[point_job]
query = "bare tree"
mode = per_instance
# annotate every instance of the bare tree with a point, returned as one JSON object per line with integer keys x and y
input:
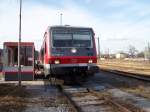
{"x": 132, "y": 51}
{"x": 140, "y": 54}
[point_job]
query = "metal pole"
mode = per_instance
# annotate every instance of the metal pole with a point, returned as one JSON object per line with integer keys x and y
{"x": 98, "y": 48}
{"x": 60, "y": 18}
{"x": 19, "y": 66}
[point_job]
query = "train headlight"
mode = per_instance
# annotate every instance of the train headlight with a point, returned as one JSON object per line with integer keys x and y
{"x": 90, "y": 61}
{"x": 73, "y": 50}
{"x": 57, "y": 62}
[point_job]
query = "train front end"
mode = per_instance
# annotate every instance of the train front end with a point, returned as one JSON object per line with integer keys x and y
{"x": 72, "y": 50}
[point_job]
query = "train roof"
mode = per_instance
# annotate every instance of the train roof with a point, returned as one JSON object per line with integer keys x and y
{"x": 16, "y": 43}
{"x": 68, "y": 26}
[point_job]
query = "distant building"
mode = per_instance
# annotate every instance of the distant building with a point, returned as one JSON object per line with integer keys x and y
{"x": 107, "y": 56}
{"x": 121, "y": 55}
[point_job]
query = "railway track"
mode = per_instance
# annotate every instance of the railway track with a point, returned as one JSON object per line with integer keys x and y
{"x": 130, "y": 75}
{"x": 84, "y": 98}
{"x": 88, "y": 100}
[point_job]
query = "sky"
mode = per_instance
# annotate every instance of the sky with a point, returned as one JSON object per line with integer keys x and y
{"x": 117, "y": 23}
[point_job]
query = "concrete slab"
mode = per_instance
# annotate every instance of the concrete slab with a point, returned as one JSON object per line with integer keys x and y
{"x": 140, "y": 102}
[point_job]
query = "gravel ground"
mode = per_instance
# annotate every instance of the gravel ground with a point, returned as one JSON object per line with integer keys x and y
{"x": 45, "y": 99}
{"x": 33, "y": 96}
{"x": 12, "y": 98}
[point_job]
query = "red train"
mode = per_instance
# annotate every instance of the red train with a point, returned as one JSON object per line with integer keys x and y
{"x": 68, "y": 50}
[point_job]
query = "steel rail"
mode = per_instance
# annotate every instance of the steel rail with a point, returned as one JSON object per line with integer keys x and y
{"x": 128, "y": 74}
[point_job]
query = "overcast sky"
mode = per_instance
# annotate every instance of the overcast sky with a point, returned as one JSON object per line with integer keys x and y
{"x": 118, "y": 23}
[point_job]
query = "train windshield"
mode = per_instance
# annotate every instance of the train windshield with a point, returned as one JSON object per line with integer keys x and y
{"x": 81, "y": 40}
{"x": 72, "y": 39}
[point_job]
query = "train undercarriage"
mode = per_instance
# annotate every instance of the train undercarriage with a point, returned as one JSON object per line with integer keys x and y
{"x": 69, "y": 74}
